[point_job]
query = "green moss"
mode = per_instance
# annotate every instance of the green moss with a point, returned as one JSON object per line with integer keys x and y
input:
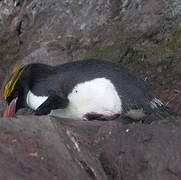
{"x": 168, "y": 46}
{"x": 177, "y": 33}
{"x": 100, "y": 52}
{"x": 116, "y": 49}
{"x": 13, "y": 50}
{"x": 124, "y": 53}
{"x": 149, "y": 58}
{"x": 3, "y": 42}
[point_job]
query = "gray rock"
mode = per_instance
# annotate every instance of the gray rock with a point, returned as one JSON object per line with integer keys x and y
{"x": 42, "y": 148}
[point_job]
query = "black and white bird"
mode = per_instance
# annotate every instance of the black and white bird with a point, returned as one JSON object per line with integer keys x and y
{"x": 84, "y": 89}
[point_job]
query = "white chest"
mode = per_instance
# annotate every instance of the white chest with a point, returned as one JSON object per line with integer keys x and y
{"x": 34, "y": 101}
{"x": 98, "y": 95}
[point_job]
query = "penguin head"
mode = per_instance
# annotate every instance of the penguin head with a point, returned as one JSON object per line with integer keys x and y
{"x": 14, "y": 91}
{"x": 20, "y": 83}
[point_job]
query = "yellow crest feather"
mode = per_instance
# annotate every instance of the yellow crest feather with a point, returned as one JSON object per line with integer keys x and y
{"x": 9, "y": 87}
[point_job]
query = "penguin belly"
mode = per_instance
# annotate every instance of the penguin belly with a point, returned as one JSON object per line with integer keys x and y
{"x": 98, "y": 96}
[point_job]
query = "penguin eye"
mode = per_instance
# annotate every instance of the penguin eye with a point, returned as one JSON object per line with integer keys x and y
{"x": 16, "y": 94}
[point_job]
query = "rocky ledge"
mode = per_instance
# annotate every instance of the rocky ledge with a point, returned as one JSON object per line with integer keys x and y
{"x": 43, "y": 147}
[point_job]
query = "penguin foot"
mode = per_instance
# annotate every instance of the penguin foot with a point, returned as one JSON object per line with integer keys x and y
{"x": 101, "y": 116}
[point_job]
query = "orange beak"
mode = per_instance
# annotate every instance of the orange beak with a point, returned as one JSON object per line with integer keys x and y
{"x": 11, "y": 109}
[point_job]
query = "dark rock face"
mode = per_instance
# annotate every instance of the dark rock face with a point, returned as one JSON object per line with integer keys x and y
{"x": 156, "y": 156}
{"x": 61, "y": 31}
{"x": 144, "y": 36}
{"x": 43, "y": 148}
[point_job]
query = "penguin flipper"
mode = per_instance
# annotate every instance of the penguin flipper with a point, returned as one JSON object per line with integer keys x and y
{"x": 161, "y": 110}
{"x": 54, "y": 101}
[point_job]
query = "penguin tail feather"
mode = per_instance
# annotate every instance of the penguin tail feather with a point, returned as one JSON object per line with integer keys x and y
{"x": 160, "y": 109}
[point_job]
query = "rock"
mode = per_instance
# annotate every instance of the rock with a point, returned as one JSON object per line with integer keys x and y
{"x": 140, "y": 151}
{"x": 66, "y": 30}
{"x": 41, "y": 147}
{"x": 33, "y": 148}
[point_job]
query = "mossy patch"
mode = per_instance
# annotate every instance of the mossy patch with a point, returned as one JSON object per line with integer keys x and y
{"x": 130, "y": 54}
{"x": 100, "y": 52}
{"x": 3, "y": 42}
{"x": 122, "y": 52}
{"x": 117, "y": 51}
{"x": 168, "y": 46}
